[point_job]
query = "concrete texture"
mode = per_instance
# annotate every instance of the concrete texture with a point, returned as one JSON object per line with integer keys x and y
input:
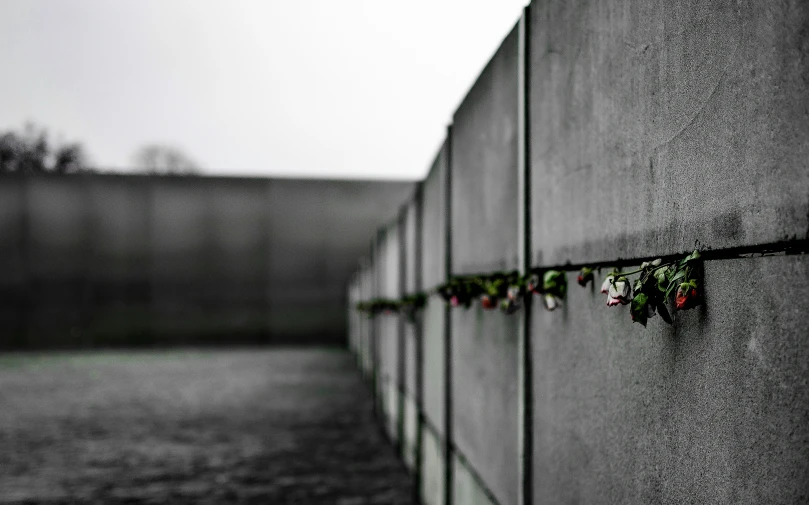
{"x": 119, "y": 259}
{"x": 367, "y": 324}
{"x": 410, "y": 334}
{"x": 434, "y": 369}
{"x": 434, "y": 201}
{"x": 13, "y": 265}
{"x": 658, "y": 127}
{"x": 409, "y": 391}
{"x": 389, "y": 324}
{"x": 410, "y": 426}
{"x": 484, "y": 397}
{"x": 253, "y": 426}
{"x": 432, "y": 472}
{"x": 466, "y": 489}
{"x": 711, "y": 410}
{"x": 484, "y": 168}
{"x": 410, "y": 229}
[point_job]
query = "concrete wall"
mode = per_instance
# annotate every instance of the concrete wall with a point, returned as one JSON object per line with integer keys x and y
{"x": 484, "y": 238}
{"x": 710, "y": 410}
{"x": 647, "y": 129}
{"x": 433, "y": 253}
{"x": 411, "y": 334}
{"x": 666, "y": 125}
{"x": 132, "y": 260}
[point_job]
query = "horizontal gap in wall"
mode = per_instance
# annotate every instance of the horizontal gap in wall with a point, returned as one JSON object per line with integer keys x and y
{"x": 784, "y": 248}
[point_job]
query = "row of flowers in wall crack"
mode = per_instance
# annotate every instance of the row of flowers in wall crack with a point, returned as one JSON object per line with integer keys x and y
{"x": 655, "y": 283}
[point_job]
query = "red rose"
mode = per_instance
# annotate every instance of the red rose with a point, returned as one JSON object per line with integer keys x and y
{"x": 488, "y": 302}
{"x": 686, "y": 298}
{"x": 585, "y": 276}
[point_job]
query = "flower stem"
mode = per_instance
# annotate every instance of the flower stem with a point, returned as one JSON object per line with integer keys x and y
{"x": 639, "y": 270}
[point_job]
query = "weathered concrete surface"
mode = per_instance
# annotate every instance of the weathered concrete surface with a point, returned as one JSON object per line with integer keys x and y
{"x": 389, "y": 325}
{"x": 13, "y": 270}
{"x": 484, "y": 397}
{"x": 466, "y": 489}
{"x": 119, "y": 259}
{"x": 320, "y": 229}
{"x": 434, "y": 249}
{"x": 484, "y": 168}
{"x": 410, "y": 413}
{"x": 711, "y": 410}
{"x": 192, "y": 427}
{"x": 433, "y": 262}
{"x": 410, "y": 426}
{"x": 367, "y": 324}
{"x": 411, "y": 330}
{"x": 434, "y": 363}
{"x": 658, "y": 126}
{"x": 432, "y": 471}
{"x": 411, "y": 244}
{"x": 484, "y": 238}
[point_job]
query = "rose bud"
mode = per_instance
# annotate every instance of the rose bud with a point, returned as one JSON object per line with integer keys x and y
{"x": 488, "y": 302}
{"x": 454, "y": 301}
{"x": 605, "y": 286}
{"x": 619, "y": 293}
{"x": 550, "y": 301}
{"x": 514, "y": 293}
{"x": 585, "y": 276}
{"x": 648, "y": 264}
{"x": 533, "y": 285}
{"x": 509, "y": 306}
{"x": 686, "y": 298}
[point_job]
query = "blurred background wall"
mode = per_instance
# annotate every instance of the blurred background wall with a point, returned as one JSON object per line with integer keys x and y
{"x": 94, "y": 260}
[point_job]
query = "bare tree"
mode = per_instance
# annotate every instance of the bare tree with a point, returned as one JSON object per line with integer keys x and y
{"x": 162, "y": 159}
{"x": 31, "y": 152}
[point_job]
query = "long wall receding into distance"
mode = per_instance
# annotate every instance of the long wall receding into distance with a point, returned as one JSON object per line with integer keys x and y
{"x": 89, "y": 260}
{"x": 611, "y": 131}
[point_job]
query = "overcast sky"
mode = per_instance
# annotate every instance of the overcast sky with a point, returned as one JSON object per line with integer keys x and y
{"x": 336, "y": 88}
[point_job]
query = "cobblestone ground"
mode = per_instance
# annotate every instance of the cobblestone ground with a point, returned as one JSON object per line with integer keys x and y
{"x": 239, "y": 426}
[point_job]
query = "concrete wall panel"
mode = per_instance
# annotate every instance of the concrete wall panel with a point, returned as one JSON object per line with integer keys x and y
{"x": 411, "y": 243}
{"x": 711, "y": 410}
{"x": 434, "y": 369}
{"x": 59, "y": 258}
{"x": 466, "y": 489}
{"x": 432, "y": 471}
{"x": 13, "y": 267}
{"x": 433, "y": 242}
{"x": 185, "y": 259}
{"x": 484, "y": 238}
{"x": 410, "y": 424}
{"x": 484, "y": 396}
{"x": 484, "y": 169}
{"x": 658, "y": 126}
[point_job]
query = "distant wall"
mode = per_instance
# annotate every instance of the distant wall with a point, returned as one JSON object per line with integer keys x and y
{"x": 603, "y": 132}
{"x": 90, "y": 260}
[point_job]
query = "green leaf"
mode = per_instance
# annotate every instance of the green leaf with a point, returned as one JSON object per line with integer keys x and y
{"x": 692, "y": 257}
{"x": 680, "y": 274}
{"x": 638, "y": 310}
{"x": 664, "y": 312}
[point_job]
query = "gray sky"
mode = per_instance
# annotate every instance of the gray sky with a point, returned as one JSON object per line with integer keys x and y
{"x": 336, "y": 88}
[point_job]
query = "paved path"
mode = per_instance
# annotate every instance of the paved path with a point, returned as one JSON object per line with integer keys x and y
{"x": 240, "y": 426}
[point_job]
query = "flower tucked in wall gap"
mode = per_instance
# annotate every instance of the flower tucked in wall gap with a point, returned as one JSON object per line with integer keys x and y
{"x": 585, "y": 276}
{"x": 655, "y": 284}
